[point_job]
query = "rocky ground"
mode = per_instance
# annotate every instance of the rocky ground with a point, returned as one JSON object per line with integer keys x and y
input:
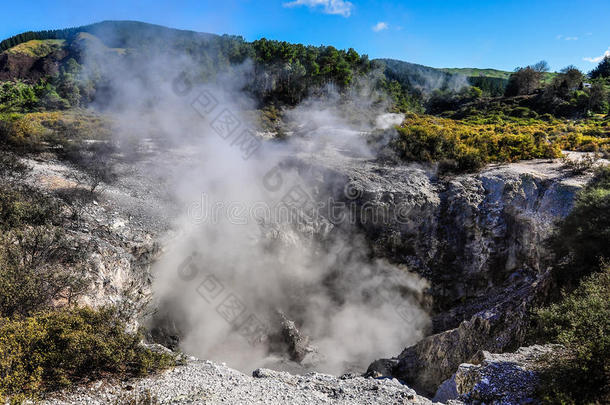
{"x": 203, "y": 382}
{"x": 502, "y": 379}
{"x": 122, "y": 226}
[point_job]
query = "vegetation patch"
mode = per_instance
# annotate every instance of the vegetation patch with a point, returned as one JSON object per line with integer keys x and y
{"x": 580, "y": 318}
{"x": 51, "y": 350}
{"x": 37, "y": 48}
{"x": 583, "y": 238}
{"x": 46, "y": 342}
{"x": 461, "y": 146}
{"x": 67, "y": 130}
{"x": 580, "y": 322}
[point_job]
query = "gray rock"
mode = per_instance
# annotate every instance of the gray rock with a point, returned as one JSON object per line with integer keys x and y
{"x": 472, "y": 235}
{"x": 480, "y": 242}
{"x": 508, "y": 378}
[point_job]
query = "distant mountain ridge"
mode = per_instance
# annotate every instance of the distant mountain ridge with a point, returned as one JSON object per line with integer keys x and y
{"x": 134, "y": 34}
{"x": 283, "y": 72}
{"x": 116, "y": 34}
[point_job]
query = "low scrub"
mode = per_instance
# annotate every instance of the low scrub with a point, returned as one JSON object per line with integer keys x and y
{"x": 56, "y": 130}
{"x": 39, "y": 269}
{"x": 54, "y": 349}
{"x": 22, "y": 206}
{"x": 583, "y": 237}
{"x": 580, "y": 318}
{"x": 580, "y": 322}
{"x": 45, "y": 341}
{"x": 463, "y": 146}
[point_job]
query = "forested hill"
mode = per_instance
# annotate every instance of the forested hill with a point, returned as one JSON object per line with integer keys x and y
{"x": 294, "y": 70}
{"x": 115, "y": 34}
{"x": 41, "y": 71}
{"x": 421, "y": 77}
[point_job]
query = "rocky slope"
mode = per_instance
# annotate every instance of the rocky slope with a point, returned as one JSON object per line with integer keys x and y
{"x": 20, "y": 63}
{"x": 471, "y": 235}
{"x": 122, "y": 227}
{"x": 479, "y": 238}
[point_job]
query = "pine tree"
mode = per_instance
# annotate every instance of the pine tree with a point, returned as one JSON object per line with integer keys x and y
{"x": 602, "y": 70}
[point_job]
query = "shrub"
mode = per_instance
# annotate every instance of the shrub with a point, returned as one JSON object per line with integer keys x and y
{"x": 22, "y": 133}
{"x": 39, "y": 269}
{"x": 10, "y": 166}
{"x": 581, "y": 165}
{"x": 580, "y": 322}
{"x": 583, "y": 238}
{"x": 54, "y": 349}
{"x": 468, "y": 145}
{"x": 96, "y": 165}
{"x": 57, "y": 130}
{"x": 521, "y": 112}
{"x": 39, "y": 266}
{"x": 22, "y": 206}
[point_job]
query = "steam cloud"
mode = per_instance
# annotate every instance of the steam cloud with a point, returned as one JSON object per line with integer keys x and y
{"x": 354, "y": 308}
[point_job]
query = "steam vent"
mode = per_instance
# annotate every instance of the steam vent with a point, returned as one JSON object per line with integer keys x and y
{"x": 207, "y": 218}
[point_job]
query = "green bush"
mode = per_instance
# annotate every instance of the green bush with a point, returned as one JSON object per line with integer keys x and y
{"x": 580, "y": 322}
{"x": 583, "y": 238}
{"x": 17, "y": 96}
{"x": 52, "y": 350}
{"x": 467, "y": 146}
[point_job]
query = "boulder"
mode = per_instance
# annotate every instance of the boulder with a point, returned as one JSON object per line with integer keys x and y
{"x": 508, "y": 378}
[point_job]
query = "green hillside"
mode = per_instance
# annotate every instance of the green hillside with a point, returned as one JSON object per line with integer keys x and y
{"x": 37, "y": 48}
{"x": 474, "y": 72}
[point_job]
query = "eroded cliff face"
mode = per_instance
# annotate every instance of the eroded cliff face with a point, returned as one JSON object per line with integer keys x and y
{"x": 472, "y": 235}
{"x": 120, "y": 230}
{"x": 27, "y": 67}
{"x": 478, "y": 238}
{"x": 488, "y": 266}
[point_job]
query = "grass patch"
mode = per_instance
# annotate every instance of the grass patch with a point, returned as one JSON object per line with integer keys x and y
{"x": 37, "y": 48}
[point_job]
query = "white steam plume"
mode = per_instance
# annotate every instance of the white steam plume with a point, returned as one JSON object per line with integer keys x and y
{"x": 219, "y": 273}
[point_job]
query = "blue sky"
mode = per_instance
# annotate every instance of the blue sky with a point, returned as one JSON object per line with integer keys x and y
{"x": 497, "y": 34}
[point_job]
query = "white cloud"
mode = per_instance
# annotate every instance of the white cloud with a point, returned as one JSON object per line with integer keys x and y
{"x": 597, "y": 59}
{"x": 338, "y": 7}
{"x": 567, "y": 38}
{"x": 380, "y": 26}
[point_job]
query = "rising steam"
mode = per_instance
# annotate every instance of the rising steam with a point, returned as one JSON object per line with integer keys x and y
{"x": 217, "y": 275}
